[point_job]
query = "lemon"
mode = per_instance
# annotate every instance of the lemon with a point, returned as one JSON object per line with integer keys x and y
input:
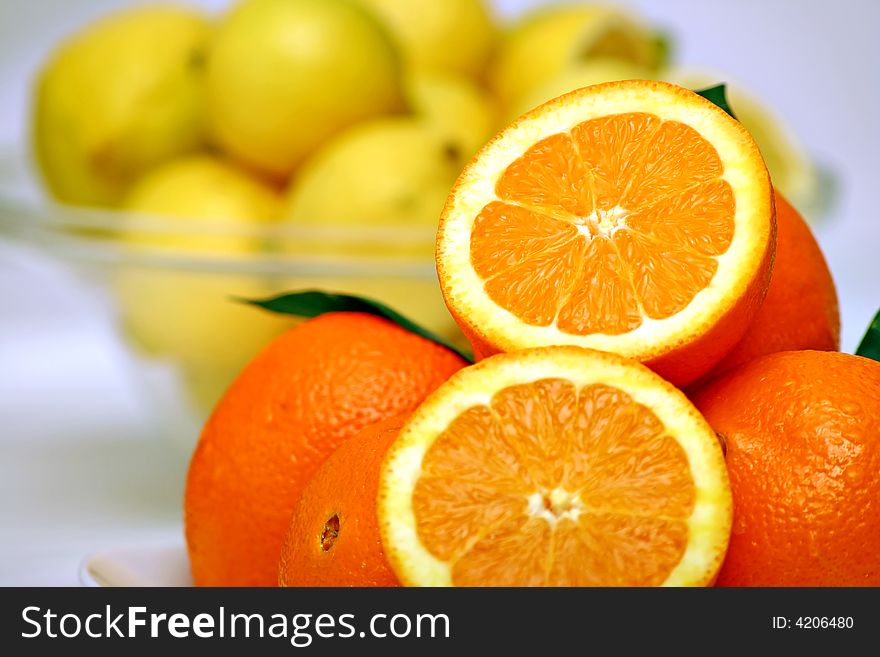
{"x": 285, "y": 75}
{"x": 460, "y": 110}
{"x": 388, "y": 178}
{"x": 189, "y": 317}
{"x": 118, "y": 98}
{"x": 453, "y": 36}
{"x": 548, "y": 40}
{"x": 203, "y": 189}
{"x": 791, "y": 168}
{"x": 387, "y": 172}
{"x": 579, "y": 74}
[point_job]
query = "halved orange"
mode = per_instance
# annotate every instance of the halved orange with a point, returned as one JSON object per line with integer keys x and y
{"x": 634, "y": 217}
{"x": 557, "y": 466}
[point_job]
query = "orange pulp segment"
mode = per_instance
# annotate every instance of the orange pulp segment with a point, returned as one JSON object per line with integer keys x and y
{"x": 609, "y": 225}
{"x": 555, "y": 467}
{"x": 628, "y": 199}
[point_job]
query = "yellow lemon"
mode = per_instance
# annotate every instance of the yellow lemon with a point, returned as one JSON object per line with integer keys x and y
{"x": 202, "y": 189}
{"x": 388, "y": 172}
{"x": 380, "y": 188}
{"x": 459, "y": 109}
{"x": 548, "y": 40}
{"x": 455, "y": 36}
{"x": 116, "y": 99}
{"x": 188, "y": 315}
{"x": 285, "y": 75}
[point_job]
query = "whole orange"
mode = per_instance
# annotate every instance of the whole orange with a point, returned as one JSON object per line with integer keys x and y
{"x": 803, "y": 450}
{"x": 289, "y": 409}
{"x": 800, "y": 309}
{"x": 333, "y": 538}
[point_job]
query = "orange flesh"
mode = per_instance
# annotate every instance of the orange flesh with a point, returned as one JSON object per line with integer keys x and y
{"x": 618, "y": 219}
{"x": 551, "y": 485}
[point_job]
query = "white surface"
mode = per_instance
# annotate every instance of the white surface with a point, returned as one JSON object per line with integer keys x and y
{"x": 81, "y": 469}
{"x": 160, "y": 563}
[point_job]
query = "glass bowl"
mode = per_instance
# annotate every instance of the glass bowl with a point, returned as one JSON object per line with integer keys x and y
{"x": 174, "y": 285}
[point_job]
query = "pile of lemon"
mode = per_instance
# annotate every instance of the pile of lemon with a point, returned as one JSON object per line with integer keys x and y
{"x": 307, "y": 112}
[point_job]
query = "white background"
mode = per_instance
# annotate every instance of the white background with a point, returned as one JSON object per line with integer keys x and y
{"x": 80, "y": 466}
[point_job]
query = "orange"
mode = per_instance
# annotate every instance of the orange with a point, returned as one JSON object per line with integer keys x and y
{"x": 803, "y": 449}
{"x": 333, "y": 538}
{"x": 556, "y": 466}
{"x": 633, "y": 217}
{"x": 288, "y": 410}
{"x": 800, "y": 310}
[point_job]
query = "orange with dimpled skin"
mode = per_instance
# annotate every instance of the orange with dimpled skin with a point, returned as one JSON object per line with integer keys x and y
{"x": 333, "y": 538}
{"x": 802, "y": 430}
{"x": 311, "y": 389}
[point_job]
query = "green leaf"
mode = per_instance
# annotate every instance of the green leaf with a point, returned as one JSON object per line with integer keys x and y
{"x": 718, "y": 95}
{"x": 311, "y": 303}
{"x": 870, "y": 345}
